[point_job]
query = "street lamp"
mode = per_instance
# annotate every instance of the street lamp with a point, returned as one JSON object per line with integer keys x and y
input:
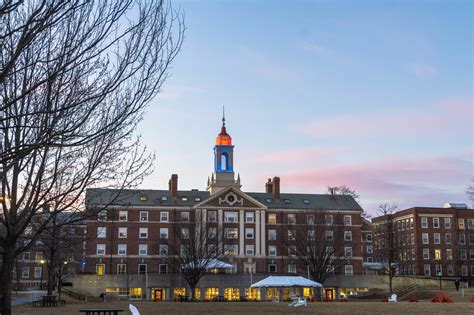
{"x": 42, "y": 261}
{"x": 440, "y": 272}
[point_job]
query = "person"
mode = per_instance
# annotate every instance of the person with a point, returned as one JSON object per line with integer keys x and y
{"x": 102, "y": 297}
{"x": 456, "y": 283}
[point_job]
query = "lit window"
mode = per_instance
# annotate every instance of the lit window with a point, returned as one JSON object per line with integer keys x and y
{"x": 231, "y": 249}
{"x": 123, "y": 216}
{"x": 100, "y": 269}
{"x": 164, "y": 198}
{"x": 143, "y": 198}
{"x": 184, "y": 199}
{"x": 272, "y": 218}
{"x": 449, "y": 254}
{"x": 437, "y": 254}
{"x": 231, "y": 233}
{"x": 143, "y": 216}
{"x": 122, "y": 232}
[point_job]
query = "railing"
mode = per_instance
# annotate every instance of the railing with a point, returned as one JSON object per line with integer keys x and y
{"x": 79, "y": 296}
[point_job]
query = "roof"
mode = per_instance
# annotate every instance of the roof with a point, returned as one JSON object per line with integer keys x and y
{"x": 282, "y": 281}
{"x": 189, "y": 198}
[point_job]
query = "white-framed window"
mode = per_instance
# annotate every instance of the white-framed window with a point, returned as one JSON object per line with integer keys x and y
{"x": 449, "y": 254}
{"x": 347, "y": 220}
{"x": 311, "y": 235}
{"x": 437, "y": 238}
{"x": 291, "y": 218}
{"x": 163, "y": 269}
{"x": 39, "y": 256}
{"x": 426, "y": 253}
{"x": 424, "y": 222}
{"x": 272, "y": 235}
{"x": 142, "y": 269}
{"x": 164, "y": 233}
{"x": 143, "y": 216}
{"x": 424, "y": 238}
{"x": 26, "y": 256}
{"x": 291, "y": 235}
{"x": 291, "y": 251}
{"x": 272, "y": 218}
{"x": 368, "y": 237}
{"x": 100, "y": 249}
{"x": 122, "y": 249}
{"x": 184, "y": 233}
{"x": 447, "y": 223}
{"x": 231, "y": 249}
{"x": 292, "y": 269}
{"x": 164, "y": 216}
{"x": 348, "y": 235}
{"x": 101, "y": 232}
{"x": 427, "y": 269}
{"x": 348, "y": 270}
{"x": 185, "y": 216}
{"x": 329, "y": 236}
{"x": 212, "y": 232}
{"x": 212, "y": 216}
{"x": 471, "y": 238}
{"x": 462, "y": 239}
{"x": 249, "y": 217}
{"x": 463, "y": 254}
{"x": 163, "y": 250}
{"x": 143, "y": 233}
{"x": 123, "y": 216}
{"x": 450, "y": 270}
{"x": 370, "y": 249}
{"x": 121, "y": 269}
{"x": 461, "y": 224}
{"x": 38, "y": 272}
{"x": 272, "y": 250}
{"x": 249, "y": 233}
{"x": 249, "y": 250}
{"x": 447, "y": 238}
{"x": 438, "y": 270}
{"x": 231, "y": 216}
{"x": 272, "y": 268}
{"x": 25, "y": 272}
{"x": 122, "y": 232}
{"x": 348, "y": 251}
{"x": 328, "y": 219}
{"x": 102, "y": 215}
{"x": 231, "y": 233}
{"x": 436, "y": 223}
{"x": 142, "y": 249}
{"x": 310, "y": 218}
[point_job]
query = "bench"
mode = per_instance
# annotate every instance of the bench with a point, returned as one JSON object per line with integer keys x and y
{"x": 100, "y": 311}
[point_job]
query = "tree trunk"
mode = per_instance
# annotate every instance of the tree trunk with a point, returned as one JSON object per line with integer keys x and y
{"x": 390, "y": 277}
{"x": 193, "y": 292}
{"x": 8, "y": 261}
{"x": 50, "y": 286}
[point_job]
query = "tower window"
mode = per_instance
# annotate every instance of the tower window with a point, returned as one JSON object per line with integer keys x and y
{"x": 224, "y": 165}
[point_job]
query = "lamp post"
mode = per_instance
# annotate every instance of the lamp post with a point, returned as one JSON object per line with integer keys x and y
{"x": 440, "y": 273}
{"x": 42, "y": 261}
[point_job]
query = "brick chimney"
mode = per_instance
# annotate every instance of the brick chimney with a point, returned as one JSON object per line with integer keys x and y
{"x": 276, "y": 187}
{"x": 173, "y": 185}
{"x": 269, "y": 186}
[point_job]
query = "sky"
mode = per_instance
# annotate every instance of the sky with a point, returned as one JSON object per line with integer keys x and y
{"x": 376, "y": 95}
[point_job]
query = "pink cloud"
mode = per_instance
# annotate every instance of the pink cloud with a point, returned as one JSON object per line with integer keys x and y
{"x": 448, "y": 117}
{"x": 298, "y": 155}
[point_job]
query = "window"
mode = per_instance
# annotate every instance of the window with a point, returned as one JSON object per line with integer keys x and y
{"x": 184, "y": 250}
{"x": 100, "y": 269}
{"x": 272, "y": 250}
{"x": 464, "y": 270}
{"x": 347, "y": 220}
{"x": 37, "y": 272}
{"x": 370, "y": 249}
{"x": 310, "y": 219}
{"x": 164, "y": 198}
{"x": 463, "y": 254}
{"x": 39, "y": 256}
{"x": 437, "y": 238}
{"x": 424, "y": 238}
{"x": 101, "y": 232}
{"x": 437, "y": 255}
{"x": 164, "y": 233}
{"x": 287, "y": 201}
{"x": 231, "y": 216}
{"x": 211, "y": 216}
{"x": 143, "y": 216}
{"x": 231, "y": 233}
{"x": 163, "y": 269}
{"x": 291, "y": 235}
{"x": 426, "y": 253}
{"x": 143, "y": 233}
{"x": 368, "y": 237}
{"x": 25, "y": 272}
{"x": 447, "y": 223}
{"x": 197, "y": 199}
{"x": 291, "y": 250}
{"x": 249, "y": 217}
{"x": 272, "y": 268}
{"x": 272, "y": 235}
{"x": 224, "y": 161}
{"x": 306, "y": 201}
{"x": 370, "y": 259}
{"x": 471, "y": 238}
{"x": 163, "y": 250}
{"x": 122, "y": 232}
{"x": 348, "y": 270}
{"x": 184, "y": 233}
{"x": 292, "y": 269}
{"x": 185, "y": 216}
{"x": 123, "y": 216}
{"x": 424, "y": 222}
{"x": 102, "y": 215}
{"x": 471, "y": 254}
{"x": 328, "y": 220}
{"x": 212, "y": 232}
{"x": 164, "y": 216}
{"x": 426, "y": 270}
{"x": 449, "y": 254}
{"x": 329, "y": 235}
{"x": 291, "y": 218}
{"x": 462, "y": 239}
{"x": 348, "y": 251}
{"x": 436, "y": 223}
{"x": 268, "y": 200}
{"x": 143, "y": 198}
{"x": 461, "y": 224}
{"x": 311, "y": 235}
{"x": 231, "y": 249}
{"x": 100, "y": 249}
{"x": 249, "y": 250}
{"x": 121, "y": 269}
{"x": 272, "y": 218}
{"x": 142, "y": 249}
{"x": 249, "y": 233}
{"x": 438, "y": 270}
{"x": 412, "y": 237}
{"x": 348, "y": 235}
{"x": 470, "y": 224}
{"x": 142, "y": 269}
{"x": 447, "y": 238}
{"x": 184, "y": 199}
{"x": 26, "y": 256}
{"x": 122, "y": 249}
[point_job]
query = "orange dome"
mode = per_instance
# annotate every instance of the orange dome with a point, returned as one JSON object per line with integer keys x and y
{"x": 223, "y": 138}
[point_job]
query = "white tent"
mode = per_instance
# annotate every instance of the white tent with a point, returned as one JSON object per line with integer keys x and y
{"x": 209, "y": 264}
{"x": 285, "y": 282}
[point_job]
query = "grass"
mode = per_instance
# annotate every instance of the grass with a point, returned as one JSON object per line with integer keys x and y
{"x": 146, "y": 307}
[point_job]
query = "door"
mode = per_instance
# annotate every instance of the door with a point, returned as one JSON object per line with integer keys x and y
{"x": 158, "y": 294}
{"x": 329, "y": 294}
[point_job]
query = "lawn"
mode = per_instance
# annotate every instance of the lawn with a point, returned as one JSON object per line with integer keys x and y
{"x": 148, "y": 308}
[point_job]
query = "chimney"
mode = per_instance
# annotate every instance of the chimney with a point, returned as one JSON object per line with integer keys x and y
{"x": 269, "y": 186}
{"x": 276, "y": 187}
{"x": 173, "y": 185}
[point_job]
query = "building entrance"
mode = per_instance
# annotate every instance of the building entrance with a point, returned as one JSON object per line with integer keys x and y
{"x": 158, "y": 294}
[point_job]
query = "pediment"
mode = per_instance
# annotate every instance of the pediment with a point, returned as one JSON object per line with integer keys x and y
{"x": 231, "y": 198}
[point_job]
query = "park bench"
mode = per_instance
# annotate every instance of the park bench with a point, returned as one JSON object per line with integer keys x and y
{"x": 49, "y": 301}
{"x": 101, "y": 311}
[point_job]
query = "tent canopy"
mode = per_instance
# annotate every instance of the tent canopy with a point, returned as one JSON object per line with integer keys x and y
{"x": 280, "y": 281}
{"x": 208, "y": 264}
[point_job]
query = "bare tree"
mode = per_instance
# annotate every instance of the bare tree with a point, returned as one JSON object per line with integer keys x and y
{"x": 470, "y": 192}
{"x": 387, "y": 250}
{"x": 193, "y": 249}
{"x": 346, "y": 191}
{"x": 318, "y": 245}
{"x": 76, "y": 77}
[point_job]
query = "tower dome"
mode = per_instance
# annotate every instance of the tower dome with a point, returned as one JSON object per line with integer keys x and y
{"x": 223, "y": 137}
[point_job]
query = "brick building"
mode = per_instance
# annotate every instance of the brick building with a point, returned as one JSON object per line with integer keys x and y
{"x": 430, "y": 242}
{"x": 255, "y": 228}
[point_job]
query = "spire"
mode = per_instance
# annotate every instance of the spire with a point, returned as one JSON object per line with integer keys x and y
{"x": 223, "y": 116}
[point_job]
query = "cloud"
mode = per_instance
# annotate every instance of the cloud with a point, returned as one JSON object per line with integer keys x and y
{"x": 298, "y": 155}
{"x": 423, "y": 70}
{"x": 454, "y": 116}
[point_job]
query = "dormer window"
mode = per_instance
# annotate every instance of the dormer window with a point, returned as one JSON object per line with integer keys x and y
{"x": 184, "y": 199}
{"x": 143, "y": 198}
{"x": 306, "y": 201}
{"x": 287, "y": 201}
{"x": 197, "y": 199}
{"x": 268, "y": 200}
{"x": 164, "y": 198}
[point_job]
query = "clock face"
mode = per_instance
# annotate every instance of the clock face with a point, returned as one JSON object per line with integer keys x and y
{"x": 230, "y": 198}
